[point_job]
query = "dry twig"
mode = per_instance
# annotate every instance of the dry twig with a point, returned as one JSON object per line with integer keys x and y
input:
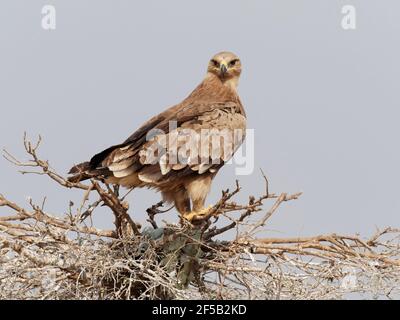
{"x": 43, "y": 256}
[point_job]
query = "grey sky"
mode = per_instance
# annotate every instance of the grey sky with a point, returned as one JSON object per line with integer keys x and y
{"x": 324, "y": 102}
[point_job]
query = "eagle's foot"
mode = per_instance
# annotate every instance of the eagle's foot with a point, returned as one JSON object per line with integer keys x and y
{"x": 202, "y": 214}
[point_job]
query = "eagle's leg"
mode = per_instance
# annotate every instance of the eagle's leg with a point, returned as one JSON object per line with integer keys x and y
{"x": 199, "y": 214}
{"x": 198, "y": 190}
{"x": 181, "y": 200}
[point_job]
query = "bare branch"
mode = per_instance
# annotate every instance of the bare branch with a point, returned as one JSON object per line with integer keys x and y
{"x": 45, "y": 256}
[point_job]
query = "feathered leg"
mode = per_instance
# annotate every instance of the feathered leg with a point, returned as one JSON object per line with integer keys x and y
{"x": 180, "y": 199}
{"x": 198, "y": 190}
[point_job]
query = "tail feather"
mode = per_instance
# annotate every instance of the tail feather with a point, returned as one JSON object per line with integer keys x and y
{"x": 84, "y": 171}
{"x": 79, "y": 177}
{"x": 79, "y": 172}
{"x": 79, "y": 168}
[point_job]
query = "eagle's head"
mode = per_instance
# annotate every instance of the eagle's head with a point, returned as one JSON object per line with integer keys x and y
{"x": 226, "y": 66}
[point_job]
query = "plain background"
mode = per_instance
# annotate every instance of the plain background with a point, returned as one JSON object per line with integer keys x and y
{"x": 323, "y": 101}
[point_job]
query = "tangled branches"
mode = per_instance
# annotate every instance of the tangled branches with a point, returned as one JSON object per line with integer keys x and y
{"x": 43, "y": 256}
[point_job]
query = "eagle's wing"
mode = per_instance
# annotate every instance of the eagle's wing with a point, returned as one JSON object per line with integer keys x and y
{"x": 141, "y": 155}
{"x": 176, "y": 113}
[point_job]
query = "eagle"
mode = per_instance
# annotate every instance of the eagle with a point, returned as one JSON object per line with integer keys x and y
{"x": 180, "y": 151}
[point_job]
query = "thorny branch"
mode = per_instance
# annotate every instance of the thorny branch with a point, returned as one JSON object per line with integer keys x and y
{"x": 45, "y": 256}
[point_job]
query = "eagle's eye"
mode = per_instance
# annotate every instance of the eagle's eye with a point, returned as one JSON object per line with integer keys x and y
{"x": 233, "y": 62}
{"x": 215, "y": 62}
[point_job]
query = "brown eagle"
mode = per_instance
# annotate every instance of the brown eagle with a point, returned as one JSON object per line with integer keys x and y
{"x": 179, "y": 151}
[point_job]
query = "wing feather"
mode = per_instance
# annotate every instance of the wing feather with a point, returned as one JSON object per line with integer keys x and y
{"x": 210, "y": 106}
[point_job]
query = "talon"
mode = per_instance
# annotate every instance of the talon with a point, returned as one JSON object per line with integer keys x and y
{"x": 198, "y": 215}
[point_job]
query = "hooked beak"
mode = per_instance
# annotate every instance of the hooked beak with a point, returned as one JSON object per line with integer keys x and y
{"x": 223, "y": 69}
